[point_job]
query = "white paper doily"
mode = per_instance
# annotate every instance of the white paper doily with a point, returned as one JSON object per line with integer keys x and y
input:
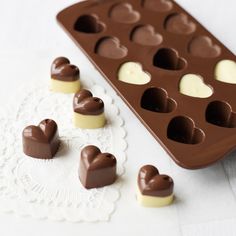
{"x": 51, "y": 188}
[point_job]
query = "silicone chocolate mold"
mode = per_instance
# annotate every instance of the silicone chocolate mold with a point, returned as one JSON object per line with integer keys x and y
{"x": 173, "y": 74}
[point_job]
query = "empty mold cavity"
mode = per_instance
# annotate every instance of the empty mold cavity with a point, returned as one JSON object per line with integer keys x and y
{"x": 157, "y": 5}
{"x": 146, "y": 35}
{"x": 88, "y": 24}
{"x": 157, "y": 100}
{"x": 182, "y": 129}
{"x": 110, "y": 47}
{"x": 124, "y": 13}
{"x": 179, "y": 24}
{"x": 202, "y": 46}
{"x": 220, "y": 113}
{"x": 168, "y": 59}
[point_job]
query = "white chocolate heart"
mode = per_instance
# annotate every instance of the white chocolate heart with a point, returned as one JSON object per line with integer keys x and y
{"x": 132, "y": 73}
{"x": 225, "y": 71}
{"x": 193, "y": 85}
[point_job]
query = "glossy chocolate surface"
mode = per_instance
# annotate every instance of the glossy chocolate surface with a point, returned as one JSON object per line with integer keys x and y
{"x": 168, "y": 43}
{"x": 151, "y": 183}
{"x": 96, "y": 169}
{"x": 61, "y": 69}
{"x": 41, "y": 141}
{"x": 84, "y": 103}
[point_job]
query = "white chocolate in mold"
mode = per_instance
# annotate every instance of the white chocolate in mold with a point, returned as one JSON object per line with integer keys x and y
{"x": 225, "y": 71}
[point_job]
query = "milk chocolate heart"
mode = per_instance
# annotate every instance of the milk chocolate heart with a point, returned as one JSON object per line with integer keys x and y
{"x": 124, "y": 13}
{"x": 110, "y": 47}
{"x": 89, "y": 24}
{"x": 182, "y": 129}
{"x": 61, "y": 69}
{"x": 146, "y": 35}
{"x": 168, "y": 59}
{"x": 225, "y": 71}
{"x": 96, "y": 169}
{"x": 179, "y": 24}
{"x": 202, "y": 46}
{"x": 151, "y": 183}
{"x": 158, "y": 5}
{"x": 220, "y": 113}
{"x": 157, "y": 100}
{"x": 41, "y": 141}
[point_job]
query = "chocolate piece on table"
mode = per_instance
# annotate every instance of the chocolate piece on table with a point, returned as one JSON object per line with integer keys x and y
{"x": 64, "y": 76}
{"x": 88, "y": 110}
{"x": 153, "y": 50}
{"x": 154, "y": 190}
{"x": 96, "y": 169}
{"x": 41, "y": 141}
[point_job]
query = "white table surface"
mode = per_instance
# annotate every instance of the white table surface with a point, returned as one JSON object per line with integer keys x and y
{"x": 29, "y": 26}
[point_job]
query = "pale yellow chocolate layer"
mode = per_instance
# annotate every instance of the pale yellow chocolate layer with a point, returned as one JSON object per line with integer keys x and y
{"x": 150, "y": 201}
{"x": 226, "y": 71}
{"x": 65, "y": 86}
{"x": 89, "y": 121}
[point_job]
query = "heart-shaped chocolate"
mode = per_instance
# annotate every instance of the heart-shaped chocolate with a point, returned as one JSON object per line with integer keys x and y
{"x": 225, "y": 71}
{"x": 182, "y": 129}
{"x": 193, "y": 85}
{"x": 151, "y": 183}
{"x": 132, "y": 73}
{"x": 157, "y": 100}
{"x": 110, "y": 47}
{"x": 124, "y": 13}
{"x": 61, "y": 69}
{"x": 89, "y": 24}
{"x": 202, "y": 46}
{"x": 220, "y": 113}
{"x": 146, "y": 35}
{"x": 41, "y": 141}
{"x": 168, "y": 59}
{"x": 84, "y": 103}
{"x": 179, "y": 24}
{"x": 96, "y": 169}
{"x": 158, "y": 5}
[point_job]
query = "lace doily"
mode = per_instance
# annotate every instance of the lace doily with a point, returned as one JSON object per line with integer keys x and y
{"x": 51, "y": 188}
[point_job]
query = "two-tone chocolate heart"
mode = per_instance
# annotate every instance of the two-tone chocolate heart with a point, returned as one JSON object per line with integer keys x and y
{"x": 41, "y": 141}
{"x": 96, "y": 169}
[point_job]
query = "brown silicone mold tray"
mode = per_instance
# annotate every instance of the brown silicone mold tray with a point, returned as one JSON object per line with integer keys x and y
{"x": 195, "y": 124}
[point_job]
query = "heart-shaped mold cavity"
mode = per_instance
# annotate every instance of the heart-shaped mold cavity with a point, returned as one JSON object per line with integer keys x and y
{"x": 182, "y": 129}
{"x": 89, "y": 24}
{"x": 225, "y": 71}
{"x": 132, "y": 73}
{"x": 124, "y": 13}
{"x": 179, "y": 24}
{"x": 110, "y": 47}
{"x": 157, "y": 100}
{"x": 202, "y": 46}
{"x": 193, "y": 85}
{"x": 157, "y": 5}
{"x": 168, "y": 59}
{"x": 146, "y": 35}
{"x": 220, "y": 113}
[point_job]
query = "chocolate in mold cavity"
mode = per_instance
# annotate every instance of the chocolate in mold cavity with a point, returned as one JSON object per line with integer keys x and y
{"x": 96, "y": 169}
{"x": 157, "y": 5}
{"x": 168, "y": 59}
{"x": 157, "y": 100}
{"x": 84, "y": 103}
{"x": 152, "y": 183}
{"x": 202, "y": 46}
{"x": 124, "y": 13}
{"x": 110, "y": 47}
{"x": 89, "y": 24}
{"x": 182, "y": 129}
{"x": 61, "y": 69}
{"x": 179, "y": 24}
{"x": 41, "y": 141}
{"x": 146, "y": 35}
{"x": 220, "y": 113}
